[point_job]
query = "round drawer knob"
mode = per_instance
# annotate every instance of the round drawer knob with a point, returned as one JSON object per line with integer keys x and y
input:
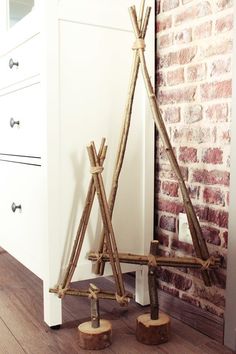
{"x": 12, "y": 63}
{"x": 14, "y": 207}
{"x": 13, "y": 122}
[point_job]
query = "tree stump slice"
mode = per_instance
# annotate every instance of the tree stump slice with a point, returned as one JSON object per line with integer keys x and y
{"x": 152, "y": 332}
{"x": 95, "y": 338}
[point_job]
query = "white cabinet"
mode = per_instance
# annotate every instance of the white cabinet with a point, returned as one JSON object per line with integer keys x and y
{"x": 70, "y": 87}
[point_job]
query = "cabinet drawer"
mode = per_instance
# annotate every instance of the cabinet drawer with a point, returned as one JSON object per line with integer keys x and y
{"x": 21, "y": 122}
{"x": 20, "y": 63}
{"x": 21, "y": 208}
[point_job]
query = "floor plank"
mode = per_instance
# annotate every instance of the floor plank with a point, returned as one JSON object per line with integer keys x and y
{"x": 22, "y": 329}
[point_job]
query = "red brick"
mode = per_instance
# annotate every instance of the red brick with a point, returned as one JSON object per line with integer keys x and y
{"x": 165, "y": 171}
{"x": 191, "y": 300}
{"x": 196, "y": 72}
{"x": 209, "y": 294}
{"x": 170, "y": 188}
{"x": 227, "y": 198}
{"x": 164, "y": 23}
{"x": 175, "y": 77}
{"x": 196, "y": 135}
{"x": 169, "y": 5}
{"x": 168, "y": 223}
{"x": 178, "y": 280}
{"x": 185, "y": 94}
{"x": 184, "y": 247}
{"x": 165, "y": 40}
{"x": 163, "y": 239}
{"x": 187, "y": 154}
{"x": 161, "y": 78}
{"x": 218, "y": 217}
{"x": 224, "y": 24}
{"x": 170, "y": 206}
{"x": 203, "y": 30}
{"x": 202, "y": 8}
{"x": 212, "y": 155}
{"x": 186, "y": 55}
{"x": 224, "y": 4}
{"x": 217, "y": 112}
{"x": 225, "y": 137}
{"x": 194, "y": 192}
{"x": 181, "y": 282}
{"x": 211, "y": 235}
{"x": 214, "y": 310}
{"x": 167, "y": 60}
{"x": 158, "y": 7}
{"x": 172, "y": 114}
{"x": 221, "y": 279}
{"x": 210, "y": 91}
{"x": 183, "y": 36}
{"x": 170, "y": 290}
{"x": 183, "y": 56}
{"x": 213, "y": 196}
{"x": 211, "y": 177}
{"x": 161, "y": 153}
{"x": 225, "y": 238}
{"x": 220, "y": 67}
{"x": 222, "y": 46}
{"x": 192, "y": 114}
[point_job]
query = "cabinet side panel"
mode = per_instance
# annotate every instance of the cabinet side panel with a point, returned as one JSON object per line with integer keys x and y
{"x": 93, "y": 89}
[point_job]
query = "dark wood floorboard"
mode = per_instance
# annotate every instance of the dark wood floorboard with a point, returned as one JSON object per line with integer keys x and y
{"x": 22, "y": 329}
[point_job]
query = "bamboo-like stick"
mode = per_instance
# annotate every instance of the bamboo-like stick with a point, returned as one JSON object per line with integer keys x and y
{"x": 78, "y": 242}
{"x": 152, "y": 281}
{"x": 196, "y": 233}
{"x": 86, "y": 293}
{"x": 99, "y": 269}
{"x": 185, "y": 262}
{"x": 108, "y": 228}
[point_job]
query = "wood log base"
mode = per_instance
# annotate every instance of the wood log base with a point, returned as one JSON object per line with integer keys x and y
{"x": 95, "y": 338}
{"x": 153, "y": 332}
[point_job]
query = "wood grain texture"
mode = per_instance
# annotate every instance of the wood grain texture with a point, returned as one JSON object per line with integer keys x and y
{"x": 22, "y": 329}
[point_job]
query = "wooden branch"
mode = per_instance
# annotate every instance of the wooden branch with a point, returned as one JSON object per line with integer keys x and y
{"x": 83, "y": 224}
{"x": 185, "y": 262}
{"x": 86, "y": 293}
{"x": 96, "y": 170}
{"x": 152, "y": 281}
{"x": 99, "y": 269}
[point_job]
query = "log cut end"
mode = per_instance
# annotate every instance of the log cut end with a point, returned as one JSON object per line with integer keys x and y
{"x": 95, "y": 338}
{"x": 152, "y": 332}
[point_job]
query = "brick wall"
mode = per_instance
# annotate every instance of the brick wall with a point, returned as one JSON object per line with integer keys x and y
{"x": 194, "y": 72}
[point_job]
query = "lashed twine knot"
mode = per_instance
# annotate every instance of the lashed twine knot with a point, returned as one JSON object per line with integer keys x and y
{"x": 98, "y": 257}
{"x": 93, "y": 291}
{"x": 139, "y": 44}
{"x": 123, "y": 300}
{"x": 208, "y": 262}
{"x": 152, "y": 260}
{"x": 96, "y": 169}
{"x": 61, "y": 292}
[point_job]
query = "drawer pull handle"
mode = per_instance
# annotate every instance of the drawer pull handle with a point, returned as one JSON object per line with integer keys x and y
{"x": 12, "y": 63}
{"x": 14, "y": 207}
{"x": 13, "y": 122}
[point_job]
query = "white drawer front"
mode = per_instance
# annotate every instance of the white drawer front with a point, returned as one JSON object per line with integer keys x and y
{"x": 21, "y": 63}
{"x": 21, "y": 232}
{"x": 21, "y": 122}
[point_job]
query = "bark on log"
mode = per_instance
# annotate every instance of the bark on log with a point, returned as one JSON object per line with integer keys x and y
{"x": 95, "y": 338}
{"x": 153, "y": 331}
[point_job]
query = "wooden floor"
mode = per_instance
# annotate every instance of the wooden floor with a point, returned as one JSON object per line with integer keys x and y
{"x": 22, "y": 329}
